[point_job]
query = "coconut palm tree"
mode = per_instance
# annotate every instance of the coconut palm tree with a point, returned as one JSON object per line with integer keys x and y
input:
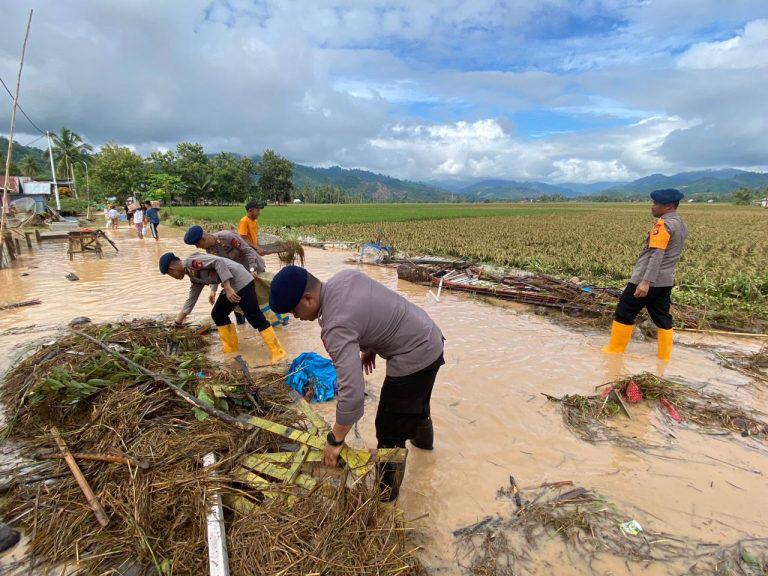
{"x": 29, "y": 166}
{"x": 68, "y": 147}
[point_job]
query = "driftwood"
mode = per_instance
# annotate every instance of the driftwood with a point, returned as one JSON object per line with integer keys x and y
{"x": 20, "y": 304}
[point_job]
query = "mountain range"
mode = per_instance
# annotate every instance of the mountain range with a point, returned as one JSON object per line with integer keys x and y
{"x": 357, "y": 183}
{"x": 702, "y": 184}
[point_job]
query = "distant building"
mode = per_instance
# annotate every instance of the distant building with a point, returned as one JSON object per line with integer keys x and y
{"x": 13, "y": 184}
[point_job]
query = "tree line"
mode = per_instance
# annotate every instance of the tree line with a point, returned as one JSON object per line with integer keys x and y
{"x": 186, "y": 175}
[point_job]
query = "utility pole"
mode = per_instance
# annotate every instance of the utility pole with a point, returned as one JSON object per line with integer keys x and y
{"x": 87, "y": 189}
{"x": 53, "y": 172}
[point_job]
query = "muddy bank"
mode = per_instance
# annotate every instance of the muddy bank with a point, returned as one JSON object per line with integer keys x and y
{"x": 491, "y": 420}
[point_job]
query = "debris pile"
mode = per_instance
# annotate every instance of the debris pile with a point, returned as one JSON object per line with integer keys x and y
{"x": 579, "y": 302}
{"x": 754, "y": 364}
{"x": 589, "y": 416}
{"x": 589, "y": 525}
{"x": 138, "y": 406}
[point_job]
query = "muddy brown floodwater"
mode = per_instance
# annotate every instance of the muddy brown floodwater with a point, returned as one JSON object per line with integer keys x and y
{"x": 491, "y": 420}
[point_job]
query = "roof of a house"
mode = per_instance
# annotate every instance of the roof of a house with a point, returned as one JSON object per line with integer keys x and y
{"x": 13, "y": 183}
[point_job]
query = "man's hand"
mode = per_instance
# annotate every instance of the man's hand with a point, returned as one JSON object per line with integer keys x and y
{"x": 232, "y": 296}
{"x": 368, "y": 360}
{"x": 331, "y": 455}
{"x": 642, "y": 289}
{"x": 255, "y": 275}
{"x": 212, "y": 297}
{"x": 259, "y": 251}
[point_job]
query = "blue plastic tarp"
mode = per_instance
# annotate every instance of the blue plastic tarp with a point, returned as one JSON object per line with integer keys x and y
{"x": 311, "y": 368}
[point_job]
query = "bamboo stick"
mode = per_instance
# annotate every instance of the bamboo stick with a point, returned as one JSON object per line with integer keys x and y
{"x": 98, "y": 511}
{"x": 112, "y": 458}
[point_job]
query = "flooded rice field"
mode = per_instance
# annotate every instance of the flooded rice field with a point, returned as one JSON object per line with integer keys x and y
{"x": 491, "y": 419}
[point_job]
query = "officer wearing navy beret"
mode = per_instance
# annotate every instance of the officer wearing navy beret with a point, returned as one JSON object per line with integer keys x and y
{"x": 653, "y": 276}
{"x": 238, "y": 289}
{"x": 361, "y": 319}
{"x": 227, "y": 245}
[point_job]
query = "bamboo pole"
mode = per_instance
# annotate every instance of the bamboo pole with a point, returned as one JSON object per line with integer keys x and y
{"x": 98, "y": 511}
{"x": 111, "y": 458}
{"x": 6, "y": 202}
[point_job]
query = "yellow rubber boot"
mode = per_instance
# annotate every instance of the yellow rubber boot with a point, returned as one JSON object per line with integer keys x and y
{"x": 620, "y": 335}
{"x": 665, "y": 344}
{"x": 270, "y": 339}
{"x": 228, "y": 335}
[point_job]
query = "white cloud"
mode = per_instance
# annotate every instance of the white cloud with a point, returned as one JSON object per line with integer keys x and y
{"x": 746, "y": 50}
{"x": 414, "y": 89}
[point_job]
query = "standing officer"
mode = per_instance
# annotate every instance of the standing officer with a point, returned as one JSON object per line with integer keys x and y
{"x": 238, "y": 289}
{"x": 653, "y": 276}
{"x": 227, "y": 245}
{"x": 359, "y": 318}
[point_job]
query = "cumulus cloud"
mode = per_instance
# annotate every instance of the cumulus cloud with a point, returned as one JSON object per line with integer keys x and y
{"x": 414, "y": 89}
{"x": 746, "y": 50}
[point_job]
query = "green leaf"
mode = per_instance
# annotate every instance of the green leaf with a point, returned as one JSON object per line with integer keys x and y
{"x": 748, "y": 558}
{"x": 199, "y": 414}
{"x": 203, "y": 396}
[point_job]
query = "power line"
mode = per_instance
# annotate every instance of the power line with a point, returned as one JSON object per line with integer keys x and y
{"x": 35, "y": 140}
{"x": 21, "y": 109}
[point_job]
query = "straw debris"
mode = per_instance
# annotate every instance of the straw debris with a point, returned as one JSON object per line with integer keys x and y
{"x": 589, "y": 525}
{"x": 157, "y": 513}
{"x": 589, "y": 417}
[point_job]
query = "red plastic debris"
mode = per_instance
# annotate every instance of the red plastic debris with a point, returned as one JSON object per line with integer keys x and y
{"x": 606, "y": 390}
{"x": 634, "y": 396}
{"x": 671, "y": 410}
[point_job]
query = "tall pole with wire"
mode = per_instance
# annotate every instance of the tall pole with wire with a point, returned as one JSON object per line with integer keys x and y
{"x": 6, "y": 184}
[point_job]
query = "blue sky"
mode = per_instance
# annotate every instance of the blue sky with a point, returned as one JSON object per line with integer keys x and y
{"x": 554, "y": 90}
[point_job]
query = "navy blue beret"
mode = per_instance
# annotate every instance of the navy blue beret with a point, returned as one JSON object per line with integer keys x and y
{"x": 165, "y": 261}
{"x": 287, "y": 288}
{"x": 193, "y": 235}
{"x": 667, "y": 196}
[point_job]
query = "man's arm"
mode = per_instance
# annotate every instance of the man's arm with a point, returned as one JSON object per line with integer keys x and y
{"x": 189, "y": 304}
{"x": 344, "y": 348}
{"x": 220, "y": 265}
{"x": 657, "y": 242}
{"x": 251, "y": 256}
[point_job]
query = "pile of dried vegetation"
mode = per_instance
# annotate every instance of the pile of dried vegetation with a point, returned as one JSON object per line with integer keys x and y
{"x": 591, "y": 526}
{"x": 589, "y": 417}
{"x": 139, "y": 405}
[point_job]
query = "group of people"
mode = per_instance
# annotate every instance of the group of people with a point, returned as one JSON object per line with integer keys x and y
{"x": 143, "y": 216}
{"x": 361, "y": 320}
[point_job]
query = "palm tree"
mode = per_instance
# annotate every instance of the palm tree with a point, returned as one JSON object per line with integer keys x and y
{"x": 29, "y": 166}
{"x": 68, "y": 147}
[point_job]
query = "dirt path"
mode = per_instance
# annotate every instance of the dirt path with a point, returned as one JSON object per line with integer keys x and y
{"x": 491, "y": 420}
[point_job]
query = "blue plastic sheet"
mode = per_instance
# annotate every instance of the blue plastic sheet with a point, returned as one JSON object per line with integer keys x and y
{"x": 311, "y": 368}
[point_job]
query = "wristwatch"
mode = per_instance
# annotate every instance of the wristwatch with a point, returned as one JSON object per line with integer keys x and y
{"x": 331, "y": 439}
